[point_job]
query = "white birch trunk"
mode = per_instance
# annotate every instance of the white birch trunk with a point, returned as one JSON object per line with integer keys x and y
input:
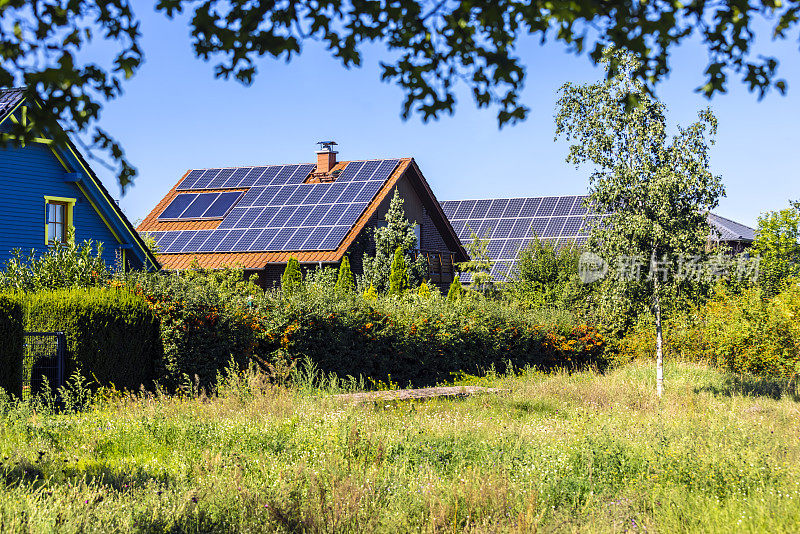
{"x": 659, "y": 343}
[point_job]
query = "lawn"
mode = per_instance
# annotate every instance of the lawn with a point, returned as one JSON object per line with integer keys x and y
{"x": 581, "y": 452}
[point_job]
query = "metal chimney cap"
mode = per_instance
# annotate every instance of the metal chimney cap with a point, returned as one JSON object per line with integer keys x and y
{"x": 327, "y": 145}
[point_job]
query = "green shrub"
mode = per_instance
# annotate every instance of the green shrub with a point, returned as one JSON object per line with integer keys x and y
{"x": 62, "y": 266}
{"x": 205, "y": 317}
{"x": 111, "y": 333}
{"x": 398, "y": 279}
{"x": 420, "y": 341}
{"x": 292, "y": 278}
{"x": 740, "y": 332}
{"x": 344, "y": 281}
{"x": 455, "y": 292}
{"x": 12, "y": 340}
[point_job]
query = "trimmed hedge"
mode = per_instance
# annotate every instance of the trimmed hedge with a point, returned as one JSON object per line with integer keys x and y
{"x": 12, "y": 341}
{"x": 112, "y": 334}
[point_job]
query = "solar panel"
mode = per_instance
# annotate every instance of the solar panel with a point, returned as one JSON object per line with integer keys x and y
{"x": 317, "y": 191}
{"x": 220, "y": 179}
{"x": 249, "y": 237}
{"x": 522, "y": 228}
{"x": 564, "y": 205}
{"x": 300, "y": 194}
{"x": 547, "y": 207}
{"x": 197, "y": 240}
{"x": 266, "y": 176}
{"x": 497, "y": 208}
{"x": 237, "y": 176}
{"x": 283, "y": 175}
{"x": 299, "y": 215}
{"x": 369, "y": 191}
{"x": 464, "y": 209}
{"x": 539, "y": 226}
{"x": 222, "y": 205}
{"x": 298, "y": 238}
{"x": 266, "y": 196}
{"x": 481, "y": 207}
{"x": 334, "y": 238}
{"x": 281, "y": 238}
{"x": 530, "y": 206}
{"x": 282, "y": 217}
{"x": 366, "y": 172}
{"x": 213, "y": 241}
{"x": 333, "y": 215}
{"x": 316, "y": 238}
{"x": 262, "y": 241}
{"x": 571, "y": 227}
{"x": 554, "y": 227}
{"x": 177, "y": 206}
{"x": 579, "y": 208}
{"x": 180, "y": 241}
{"x": 350, "y": 171}
{"x": 282, "y": 195}
{"x": 514, "y": 208}
{"x": 351, "y": 191}
{"x": 252, "y": 194}
{"x": 333, "y": 193}
{"x": 503, "y": 229}
{"x": 252, "y": 177}
{"x": 300, "y": 174}
{"x": 191, "y": 178}
{"x": 264, "y": 217}
{"x": 246, "y": 220}
{"x": 199, "y": 206}
{"x": 317, "y": 214}
{"x": 227, "y": 243}
{"x": 352, "y": 213}
{"x": 205, "y": 179}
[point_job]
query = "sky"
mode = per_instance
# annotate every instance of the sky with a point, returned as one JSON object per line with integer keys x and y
{"x": 176, "y": 116}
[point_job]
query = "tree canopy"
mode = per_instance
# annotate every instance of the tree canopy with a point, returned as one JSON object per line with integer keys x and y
{"x": 434, "y": 45}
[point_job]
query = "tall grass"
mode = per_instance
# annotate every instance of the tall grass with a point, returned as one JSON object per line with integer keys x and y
{"x": 558, "y": 452}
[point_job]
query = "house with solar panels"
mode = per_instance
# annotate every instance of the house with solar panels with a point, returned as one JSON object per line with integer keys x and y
{"x": 51, "y": 194}
{"x": 258, "y": 217}
{"x": 510, "y": 224}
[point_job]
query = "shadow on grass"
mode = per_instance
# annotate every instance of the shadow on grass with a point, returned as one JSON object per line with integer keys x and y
{"x": 38, "y": 473}
{"x": 752, "y": 386}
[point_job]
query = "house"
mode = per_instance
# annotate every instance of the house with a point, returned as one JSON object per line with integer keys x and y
{"x": 51, "y": 195}
{"x": 257, "y": 217}
{"x": 510, "y": 224}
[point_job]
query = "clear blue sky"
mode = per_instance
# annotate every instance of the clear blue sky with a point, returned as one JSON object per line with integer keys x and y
{"x": 175, "y": 115}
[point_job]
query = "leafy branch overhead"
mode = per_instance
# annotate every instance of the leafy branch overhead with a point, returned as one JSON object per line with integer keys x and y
{"x": 434, "y": 46}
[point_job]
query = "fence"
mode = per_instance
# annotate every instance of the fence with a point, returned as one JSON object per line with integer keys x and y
{"x": 44, "y": 357}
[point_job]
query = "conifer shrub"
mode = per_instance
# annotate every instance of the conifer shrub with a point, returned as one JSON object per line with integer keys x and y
{"x": 292, "y": 278}
{"x": 345, "y": 284}
{"x": 455, "y": 292}
{"x": 112, "y": 334}
{"x": 12, "y": 340}
{"x": 398, "y": 279}
{"x": 424, "y": 291}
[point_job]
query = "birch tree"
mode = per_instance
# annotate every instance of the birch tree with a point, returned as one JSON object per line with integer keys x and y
{"x": 655, "y": 187}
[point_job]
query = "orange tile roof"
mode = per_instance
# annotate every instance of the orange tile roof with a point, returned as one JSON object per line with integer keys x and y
{"x": 258, "y": 260}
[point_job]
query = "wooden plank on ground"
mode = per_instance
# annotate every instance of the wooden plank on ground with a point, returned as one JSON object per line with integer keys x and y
{"x": 416, "y": 394}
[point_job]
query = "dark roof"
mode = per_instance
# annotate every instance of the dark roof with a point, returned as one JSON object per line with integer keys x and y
{"x": 510, "y": 224}
{"x": 9, "y": 99}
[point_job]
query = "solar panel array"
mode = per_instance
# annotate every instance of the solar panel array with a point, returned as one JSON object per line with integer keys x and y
{"x": 278, "y": 212}
{"x": 511, "y": 224}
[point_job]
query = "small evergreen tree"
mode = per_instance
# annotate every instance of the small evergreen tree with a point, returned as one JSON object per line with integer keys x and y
{"x": 345, "y": 282}
{"x": 398, "y": 279}
{"x": 292, "y": 278}
{"x": 424, "y": 291}
{"x": 455, "y": 292}
{"x": 479, "y": 265}
{"x": 370, "y": 293}
{"x": 398, "y": 232}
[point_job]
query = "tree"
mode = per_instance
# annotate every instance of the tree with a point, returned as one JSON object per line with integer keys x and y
{"x": 424, "y": 291}
{"x": 656, "y": 190}
{"x": 433, "y": 47}
{"x": 398, "y": 280}
{"x": 479, "y": 265}
{"x": 398, "y": 232}
{"x": 344, "y": 282}
{"x": 455, "y": 292}
{"x": 778, "y": 246}
{"x": 292, "y": 278}
{"x": 547, "y": 276}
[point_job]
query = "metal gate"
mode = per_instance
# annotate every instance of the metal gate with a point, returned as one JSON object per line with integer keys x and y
{"x": 44, "y": 357}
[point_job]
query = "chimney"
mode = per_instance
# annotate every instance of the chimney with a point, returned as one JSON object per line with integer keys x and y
{"x": 326, "y": 156}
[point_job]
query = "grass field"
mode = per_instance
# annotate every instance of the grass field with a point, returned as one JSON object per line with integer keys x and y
{"x": 581, "y": 452}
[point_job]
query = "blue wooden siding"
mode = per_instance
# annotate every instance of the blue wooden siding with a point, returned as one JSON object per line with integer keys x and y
{"x": 27, "y": 175}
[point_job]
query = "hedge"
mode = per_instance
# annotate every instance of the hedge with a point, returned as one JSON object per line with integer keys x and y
{"x": 112, "y": 335}
{"x": 12, "y": 340}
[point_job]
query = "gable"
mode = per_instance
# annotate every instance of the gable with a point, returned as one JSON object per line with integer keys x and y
{"x": 28, "y": 175}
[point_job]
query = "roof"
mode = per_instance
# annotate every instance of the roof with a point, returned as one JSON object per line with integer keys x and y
{"x": 9, "y": 99}
{"x": 511, "y": 224}
{"x": 278, "y": 213}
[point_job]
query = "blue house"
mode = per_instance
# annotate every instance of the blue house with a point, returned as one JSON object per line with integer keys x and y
{"x": 50, "y": 194}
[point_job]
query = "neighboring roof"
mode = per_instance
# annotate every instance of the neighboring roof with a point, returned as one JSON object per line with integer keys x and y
{"x": 730, "y": 230}
{"x": 9, "y": 99}
{"x": 279, "y": 214}
{"x": 510, "y": 224}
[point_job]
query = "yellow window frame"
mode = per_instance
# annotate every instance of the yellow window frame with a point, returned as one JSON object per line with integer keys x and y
{"x": 70, "y": 202}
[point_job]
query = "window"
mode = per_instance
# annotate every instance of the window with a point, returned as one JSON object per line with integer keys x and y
{"x": 58, "y": 219}
{"x": 56, "y": 222}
